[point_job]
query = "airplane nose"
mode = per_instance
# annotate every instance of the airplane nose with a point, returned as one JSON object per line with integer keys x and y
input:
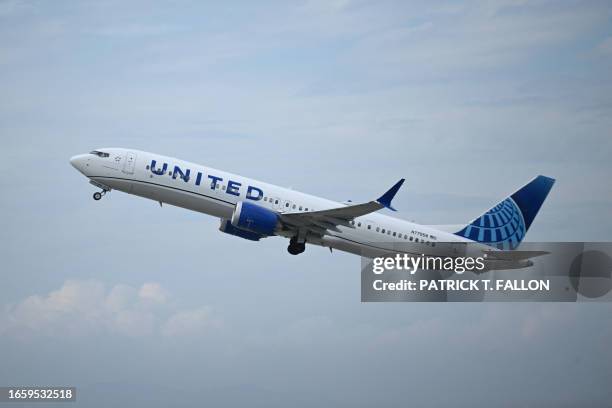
{"x": 79, "y": 162}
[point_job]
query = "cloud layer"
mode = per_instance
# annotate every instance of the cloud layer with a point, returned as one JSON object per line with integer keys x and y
{"x": 85, "y": 308}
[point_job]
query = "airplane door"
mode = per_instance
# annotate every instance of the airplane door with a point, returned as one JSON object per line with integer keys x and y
{"x": 130, "y": 162}
{"x": 278, "y": 203}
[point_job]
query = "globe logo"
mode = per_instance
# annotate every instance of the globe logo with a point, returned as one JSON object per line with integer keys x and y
{"x": 502, "y": 226}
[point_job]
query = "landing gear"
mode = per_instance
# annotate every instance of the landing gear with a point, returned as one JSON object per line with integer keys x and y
{"x": 99, "y": 194}
{"x": 295, "y": 247}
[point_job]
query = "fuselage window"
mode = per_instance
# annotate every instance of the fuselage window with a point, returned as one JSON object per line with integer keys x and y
{"x": 416, "y": 240}
{"x": 389, "y": 232}
{"x": 306, "y": 209}
{"x": 359, "y": 224}
{"x": 300, "y": 208}
{"x": 265, "y": 198}
{"x": 411, "y": 238}
{"x": 286, "y": 204}
{"x": 394, "y": 234}
{"x": 275, "y": 201}
{"x": 147, "y": 167}
{"x": 294, "y": 206}
{"x": 369, "y": 227}
{"x": 383, "y": 231}
{"x": 377, "y": 229}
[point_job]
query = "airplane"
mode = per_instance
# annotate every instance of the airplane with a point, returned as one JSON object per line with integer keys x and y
{"x": 255, "y": 210}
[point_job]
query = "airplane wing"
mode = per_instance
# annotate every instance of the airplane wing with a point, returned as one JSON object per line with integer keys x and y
{"x": 321, "y": 221}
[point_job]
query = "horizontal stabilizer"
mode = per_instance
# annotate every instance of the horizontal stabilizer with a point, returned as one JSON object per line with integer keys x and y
{"x": 513, "y": 255}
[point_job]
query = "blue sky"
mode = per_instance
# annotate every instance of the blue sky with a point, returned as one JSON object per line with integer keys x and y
{"x": 467, "y": 101}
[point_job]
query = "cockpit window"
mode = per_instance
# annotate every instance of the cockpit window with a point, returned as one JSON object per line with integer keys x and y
{"x": 99, "y": 153}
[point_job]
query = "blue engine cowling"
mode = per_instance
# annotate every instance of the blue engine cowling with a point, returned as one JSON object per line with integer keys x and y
{"x": 252, "y": 217}
{"x": 227, "y": 227}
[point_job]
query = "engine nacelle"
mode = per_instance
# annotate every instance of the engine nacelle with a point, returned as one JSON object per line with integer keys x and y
{"x": 227, "y": 227}
{"x": 252, "y": 217}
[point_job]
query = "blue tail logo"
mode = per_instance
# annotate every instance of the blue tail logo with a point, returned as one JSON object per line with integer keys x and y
{"x": 505, "y": 225}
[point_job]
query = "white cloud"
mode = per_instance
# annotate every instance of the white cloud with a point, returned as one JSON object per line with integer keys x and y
{"x": 120, "y": 296}
{"x": 71, "y": 309}
{"x": 88, "y": 307}
{"x": 189, "y": 322}
{"x": 153, "y": 292}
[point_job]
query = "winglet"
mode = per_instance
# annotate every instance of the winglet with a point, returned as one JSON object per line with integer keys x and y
{"x": 386, "y": 198}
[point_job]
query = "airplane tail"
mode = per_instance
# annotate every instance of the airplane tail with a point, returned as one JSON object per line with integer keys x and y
{"x": 505, "y": 225}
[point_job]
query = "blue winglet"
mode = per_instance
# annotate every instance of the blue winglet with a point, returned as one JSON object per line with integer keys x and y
{"x": 386, "y": 198}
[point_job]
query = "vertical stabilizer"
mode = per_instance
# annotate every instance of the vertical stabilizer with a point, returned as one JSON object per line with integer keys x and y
{"x": 505, "y": 225}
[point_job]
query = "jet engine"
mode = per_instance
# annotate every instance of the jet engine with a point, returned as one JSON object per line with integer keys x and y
{"x": 227, "y": 227}
{"x": 254, "y": 218}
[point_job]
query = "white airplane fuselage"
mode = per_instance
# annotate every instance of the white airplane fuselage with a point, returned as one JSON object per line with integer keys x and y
{"x": 129, "y": 171}
{"x": 215, "y": 192}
